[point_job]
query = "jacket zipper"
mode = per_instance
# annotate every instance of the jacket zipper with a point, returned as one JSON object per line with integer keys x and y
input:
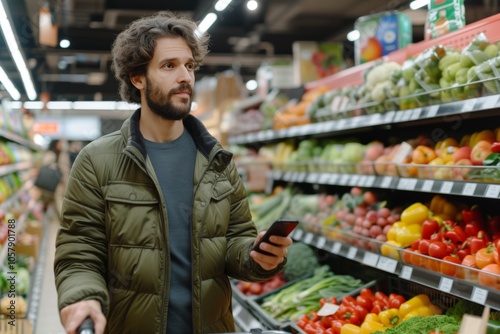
{"x": 134, "y": 157}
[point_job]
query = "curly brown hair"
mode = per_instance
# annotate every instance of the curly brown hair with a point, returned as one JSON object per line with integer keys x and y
{"x": 134, "y": 47}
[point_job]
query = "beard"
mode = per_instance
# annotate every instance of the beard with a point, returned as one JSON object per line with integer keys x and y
{"x": 162, "y": 105}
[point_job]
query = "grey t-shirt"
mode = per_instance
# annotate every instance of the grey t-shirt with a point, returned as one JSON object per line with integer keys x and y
{"x": 173, "y": 163}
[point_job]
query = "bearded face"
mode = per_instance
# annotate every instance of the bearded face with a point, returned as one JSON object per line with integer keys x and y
{"x": 174, "y": 105}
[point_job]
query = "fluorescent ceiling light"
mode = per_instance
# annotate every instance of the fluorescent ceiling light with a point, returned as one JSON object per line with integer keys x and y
{"x": 33, "y": 105}
{"x": 59, "y": 105}
{"x": 206, "y": 23}
{"x": 94, "y": 105}
{"x": 252, "y": 5}
{"x": 353, "y": 35}
{"x": 64, "y": 43}
{"x": 419, "y": 4}
{"x": 221, "y": 5}
{"x": 9, "y": 86}
{"x": 126, "y": 106}
{"x": 16, "y": 54}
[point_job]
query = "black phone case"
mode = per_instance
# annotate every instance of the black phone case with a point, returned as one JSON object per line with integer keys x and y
{"x": 281, "y": 227}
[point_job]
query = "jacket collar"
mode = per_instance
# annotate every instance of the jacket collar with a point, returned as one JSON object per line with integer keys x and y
{"x": 204, "y": 141}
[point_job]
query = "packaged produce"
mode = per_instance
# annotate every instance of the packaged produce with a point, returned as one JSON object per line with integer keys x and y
{"x": 381, "y": 34}
{"x": 444, "y": 16}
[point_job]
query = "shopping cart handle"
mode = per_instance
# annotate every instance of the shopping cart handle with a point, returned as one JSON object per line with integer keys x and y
{"x": 87, "y": 327}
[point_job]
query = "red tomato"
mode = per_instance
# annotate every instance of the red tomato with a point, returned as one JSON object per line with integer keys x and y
{"x": 365, "y": 302}
{"x": 396, "y": 300}
{"x": 438, "y": 249}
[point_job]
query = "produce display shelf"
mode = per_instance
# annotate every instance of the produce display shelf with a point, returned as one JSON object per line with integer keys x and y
{"x": 446, "y": 187}
{"x": 466, "y": 289}
{"x": 15, "y": 167}
{"x": 474, "y": 105}
{"x": 18, "y": 139}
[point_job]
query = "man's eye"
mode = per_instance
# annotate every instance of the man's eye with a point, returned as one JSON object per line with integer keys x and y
{"x": 191, "y": 66}
{"x": 169, "y": 65}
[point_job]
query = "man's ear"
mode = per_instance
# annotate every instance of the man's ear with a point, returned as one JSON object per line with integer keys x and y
{"x": 138, "y": 80}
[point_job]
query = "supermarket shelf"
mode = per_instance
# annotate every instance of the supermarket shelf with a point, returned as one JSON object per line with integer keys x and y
{"x": 474, "y": 105}
{"x": 454, "y": 286}
{"x": 448, "y": 187}
{"x": 19, "y": 139}
{"x": 12, "y": 199}
{"x": 15, "y": 167}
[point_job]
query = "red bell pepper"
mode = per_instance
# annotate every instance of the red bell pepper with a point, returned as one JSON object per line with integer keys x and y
{"x": 456, "y": 235}
{"x": 429, "y": 227}
{"x": 474, "y": 214}
{"x": 464, "y": 251}
{"x": 336, "y": 326}
{"x": 476, "y": 243}
{"x": 350, "y": 315}
{"x": 495, "y": 147}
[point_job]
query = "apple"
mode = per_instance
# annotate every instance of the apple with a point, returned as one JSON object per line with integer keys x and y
{"x": 480, "y": 151}
{"x": 462, "y": 153}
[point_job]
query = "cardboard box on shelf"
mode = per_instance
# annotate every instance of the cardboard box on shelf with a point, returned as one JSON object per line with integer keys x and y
{"x": 444, "y": 16}
{"x": 381, "y": 34}
{"x": 313, "y": 61}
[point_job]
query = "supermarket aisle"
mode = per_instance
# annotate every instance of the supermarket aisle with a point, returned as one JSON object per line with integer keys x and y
{"x": 47, "y": 320}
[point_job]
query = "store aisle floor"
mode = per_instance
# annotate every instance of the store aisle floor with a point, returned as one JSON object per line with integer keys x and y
{"x": 47, "y": 320}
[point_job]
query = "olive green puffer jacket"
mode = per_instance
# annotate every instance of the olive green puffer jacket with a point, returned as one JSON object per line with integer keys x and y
{"x": 113, "y": 242}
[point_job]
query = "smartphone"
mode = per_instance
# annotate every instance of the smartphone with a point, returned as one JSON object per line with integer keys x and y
{"x": 281, "y": 227}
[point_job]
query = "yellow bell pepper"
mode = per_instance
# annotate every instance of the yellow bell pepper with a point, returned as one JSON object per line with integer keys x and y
{"x": 368, "y": 327}
{"x": 423, "y": 311}
{"x": 390, "y": 249}
{"x": 372, "y": 317}
{"x": 447, "y": 153}
{"x": 350, "y": 329}
{"x": 413, "y": 304}
{"x": 415, "y": 213}
{"x": 407, "y": 234}
{"x": 390, "y": 317}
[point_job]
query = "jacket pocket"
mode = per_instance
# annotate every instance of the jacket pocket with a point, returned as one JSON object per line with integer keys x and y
{"x": 222, "y": 189}
{"x": 131, "y": 215}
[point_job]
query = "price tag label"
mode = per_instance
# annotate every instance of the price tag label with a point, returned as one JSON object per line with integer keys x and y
{"x": 302, "y": 177}
{"x": 308, "y": 238}
{"x": 293, "y": 131}
{"x": 330, "y": 126}
{"x": 312, "y": 178}
{"x": 328, "y": 309}
{"x": 333, "y": 178}
{"x": 492, "y": 191}
{"x": 468, "y": 105}
{"x": 341, "y": 125}
{"x": 490, "y": 102}
{"x": 427, "y": 186}
{"x": 344, "y": 179}
{"x": 278, "y": 174}
{"x": 375, "y": 119}
{"x": 269, "y": 134}
{"x": 287, "y": 176}
{"x": 354, "y": 181}
{"x": 469, "y": 189}
{"x": 321, "y": 242}
{"x": 445, "y": 284}
{"x": 303, "y": 130}
{"x": 362, "y": 180}
{"x": 402, "y": 184}
{"x": 261, "y": 136}
{"x": 336, "y": 247}
{"x": 387, "y": 264}
{"x": 479, "y": 295}
{"x": 406, "y": 272}
{"x": 370, "y": 180}
{"x": 432, "y": 111}
{"x": 298, "y": 234}
{"x": 386, "y": 182}
{"x": 406, "y": 115}
{"x": 370, "y": 259}
{"x": 411, "y": 184}
{"x": 294, "y": 177}
{"x": 389, "y": 116}
{"x": 416, "y": 113}
{"x": 446, "y": 187}
{"x": 351, "y": 253}
{"x": 355, "y": 121}
{"x": 398, "y": 117}
{"x": 323, "y": 178}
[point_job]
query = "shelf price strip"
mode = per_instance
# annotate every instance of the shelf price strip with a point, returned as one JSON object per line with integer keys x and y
{"x": 406, "y": 272}
{"x": 479, "y": 295}
{"x": 370, "y": 259}
{"x": 387, "y": 264}
{"x": 490, "y": 102}
{"x": 427, "y": 186}
{"x": 336, "y": 247}
{"x": 492, "y": 191}
{"x": 446, "y": 187}
{"x": 386, "y": 182}
{"x": 469, "y": 189}
{"x": 321, "y": 242}
{"x": 468, "y": 105}
{"x": 352, "y": 252}
{"x": 298, "y": 234}
{"x": 308, "y": 238}
{"x": 432, "y": 111}
{"x": 445, "y": 284}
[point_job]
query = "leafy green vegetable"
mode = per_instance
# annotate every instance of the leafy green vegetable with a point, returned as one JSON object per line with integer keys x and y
{"x": 301, "y": 261}
{"x": 462, "y": 307}
{"x": 420, "y": 325}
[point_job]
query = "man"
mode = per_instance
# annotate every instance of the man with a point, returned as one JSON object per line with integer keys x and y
{"x": 155, "y": 215}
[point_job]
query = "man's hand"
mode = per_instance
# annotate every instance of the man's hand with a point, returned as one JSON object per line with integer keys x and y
{"x": 73, "y": 315}
{"x": 279, "y": 251}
